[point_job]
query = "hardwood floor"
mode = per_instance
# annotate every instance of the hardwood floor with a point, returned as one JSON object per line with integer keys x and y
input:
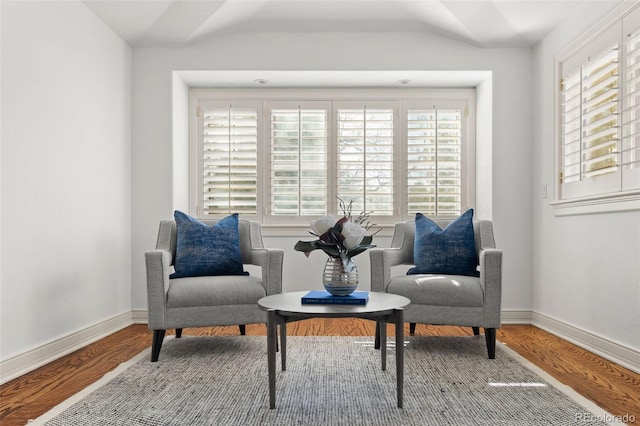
{"x": 610, "y": 386}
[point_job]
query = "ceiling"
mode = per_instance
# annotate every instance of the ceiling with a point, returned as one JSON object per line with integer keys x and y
{"x": 484, "y": 23}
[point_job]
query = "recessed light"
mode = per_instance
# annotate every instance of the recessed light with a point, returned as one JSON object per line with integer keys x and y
{"x": 260, "y": 81}
{"x": 404, "y": 81}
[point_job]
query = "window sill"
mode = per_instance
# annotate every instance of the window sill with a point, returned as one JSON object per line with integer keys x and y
{"x": 301, "y": 231}
{"x": 625, "y": 201}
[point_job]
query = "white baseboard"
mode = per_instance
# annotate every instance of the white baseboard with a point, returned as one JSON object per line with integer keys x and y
{"x": 621, "y": 355}
{"x": 515, "y": 316}
{"x": 139, "y": 316}
{"x": 23, "y": 363}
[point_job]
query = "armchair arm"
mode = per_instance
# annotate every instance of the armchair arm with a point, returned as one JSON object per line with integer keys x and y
{"x": 270, "y": 260}
{"x": 382, "y": 259}
{"x": 158, "y": 263}
{"x": 400, "y": 253}
{"x": 491, "y": 282}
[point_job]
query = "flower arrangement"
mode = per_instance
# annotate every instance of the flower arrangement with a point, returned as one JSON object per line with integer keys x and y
{"x": 343, "y": 238}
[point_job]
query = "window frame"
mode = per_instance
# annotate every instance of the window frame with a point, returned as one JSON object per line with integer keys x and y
{"x": 606, "y": 192}
{"x": 422, "y": 98}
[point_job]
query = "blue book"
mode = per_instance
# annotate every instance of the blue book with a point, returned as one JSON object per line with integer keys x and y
{"x": 323, "y": 297}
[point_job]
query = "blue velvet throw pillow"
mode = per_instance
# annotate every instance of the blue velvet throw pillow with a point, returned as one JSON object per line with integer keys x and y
{"x": 450, "y": 251}
{"x": 207, "y": 250}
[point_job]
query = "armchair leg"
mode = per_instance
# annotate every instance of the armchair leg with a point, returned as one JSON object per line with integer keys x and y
{"x": 412, "y": 328}
{"x": 476, "y": 331}
{"x": 243, "y": 329}
{"x": 158, "y": 337}
{"x": 178, "y": 333}
{"x": 490, "y": 337}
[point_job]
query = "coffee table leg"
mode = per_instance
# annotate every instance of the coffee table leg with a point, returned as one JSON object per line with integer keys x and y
{"x": 271, "y": 355}
{"x": 383, "y": 343}
{"x": 283, "y": 343}
{"x": 399, "y": 314}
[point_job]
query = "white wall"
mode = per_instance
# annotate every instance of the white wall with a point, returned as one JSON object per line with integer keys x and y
{"x": 66, "y": 173}
{"x": 508, "y": 201}
{"x": 586, "y": 267}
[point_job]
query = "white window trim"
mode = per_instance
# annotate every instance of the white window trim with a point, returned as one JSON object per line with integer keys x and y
{"x": 414, "y": 96}
{"x": 601, "y": 203}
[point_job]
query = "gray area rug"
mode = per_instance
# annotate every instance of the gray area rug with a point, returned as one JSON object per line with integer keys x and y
{"x": 328, "y": 381}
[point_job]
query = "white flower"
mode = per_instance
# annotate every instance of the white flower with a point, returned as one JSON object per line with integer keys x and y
{"x": 353, "y": 234}
{"x": 323, "y": 224}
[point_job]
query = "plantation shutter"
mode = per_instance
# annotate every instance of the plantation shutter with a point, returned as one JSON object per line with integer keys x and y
{"x": 571, "y": 129}
{"x": 631, "y": 103}
{"x": 600, "y": 118}
{"x": 590, "y": 119}
{"x": 434, "y": 162}
{"x": 285, "y": 158}
{"x": 299, "y": 144}
{"x": 365, "y": 138}
{"x": 229, "y": 160}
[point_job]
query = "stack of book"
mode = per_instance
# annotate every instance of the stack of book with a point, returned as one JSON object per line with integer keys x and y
{"x": 323, "y": 297}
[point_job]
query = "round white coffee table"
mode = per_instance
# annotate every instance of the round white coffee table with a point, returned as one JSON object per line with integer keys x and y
{"x": 287, "y": 307}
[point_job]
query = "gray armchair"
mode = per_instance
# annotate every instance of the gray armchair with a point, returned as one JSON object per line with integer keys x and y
{"x": 208, "y": 300}
{"x": 444, "y": 299}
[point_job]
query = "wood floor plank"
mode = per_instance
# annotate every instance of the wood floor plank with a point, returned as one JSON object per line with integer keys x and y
{"x": 610, "y": 386}
{"x": 614, "y": 388}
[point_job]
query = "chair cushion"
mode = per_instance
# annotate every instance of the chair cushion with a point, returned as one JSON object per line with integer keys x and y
{"x": 207, "y": 250}
{"x": 214, "y": 291}
{"x": 449, "y": 251}
{"x": 438, "y": 290}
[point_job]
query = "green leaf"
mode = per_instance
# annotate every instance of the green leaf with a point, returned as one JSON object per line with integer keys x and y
{"x": 306, "y": 246}
{"x": 354, "y": 251}
{"x": 366, "y": 240}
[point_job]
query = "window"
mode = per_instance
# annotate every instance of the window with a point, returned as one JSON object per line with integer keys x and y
{"x": 599, "y": 150}
{"x": 227, "y": 159}
{"x": 227, "y": 180}
{"x": 365, "y": 158}
{"x": 434, "y": 161}
{"x": 299, "y": 149}
{"x": 285, "y": 158}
